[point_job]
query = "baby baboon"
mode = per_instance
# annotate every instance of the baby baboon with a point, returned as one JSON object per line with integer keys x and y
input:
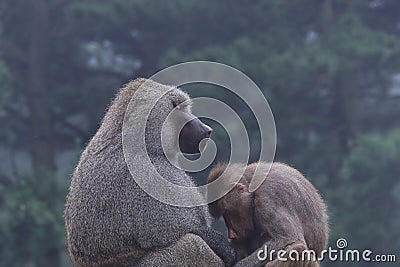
{"x": 285, "y": 212}
{"x": 111, "y": 221}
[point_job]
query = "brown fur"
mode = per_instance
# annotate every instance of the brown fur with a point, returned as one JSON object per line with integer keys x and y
{"x": 286, "y": 209}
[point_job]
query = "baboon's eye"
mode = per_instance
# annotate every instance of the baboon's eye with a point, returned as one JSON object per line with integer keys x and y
{"x": 179, "y": 106}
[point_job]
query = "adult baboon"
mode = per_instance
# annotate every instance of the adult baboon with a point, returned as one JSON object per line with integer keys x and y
{"x": 285, "y": 212}
{"x": 111, "y": 221}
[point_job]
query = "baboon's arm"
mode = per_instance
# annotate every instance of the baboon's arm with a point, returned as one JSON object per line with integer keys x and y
{"x": 282, "y": 229}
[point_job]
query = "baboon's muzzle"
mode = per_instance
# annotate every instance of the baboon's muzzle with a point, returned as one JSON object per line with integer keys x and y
{"x": 191, "y": 135}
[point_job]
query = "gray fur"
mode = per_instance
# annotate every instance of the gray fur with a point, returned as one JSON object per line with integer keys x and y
{"x": 111, "y": 221}
{"x": 191, "y": 250}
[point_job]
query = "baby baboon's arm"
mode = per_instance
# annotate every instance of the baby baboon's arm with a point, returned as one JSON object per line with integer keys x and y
{"x": 281, "y": 228}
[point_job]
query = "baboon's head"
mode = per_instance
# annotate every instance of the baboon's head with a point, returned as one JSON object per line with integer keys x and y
{"x": 172, "y": 124}
{"x": 236, "y": 206}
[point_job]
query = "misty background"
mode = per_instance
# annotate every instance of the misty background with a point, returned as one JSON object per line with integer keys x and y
{"x": 330, "y": 70}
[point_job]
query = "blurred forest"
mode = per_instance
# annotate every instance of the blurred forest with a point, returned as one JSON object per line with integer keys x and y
{"x": 330, "y": 70}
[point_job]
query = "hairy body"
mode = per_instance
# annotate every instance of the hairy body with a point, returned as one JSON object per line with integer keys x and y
{"x": 110, "y": 220}
{"x": 286, "y": 211}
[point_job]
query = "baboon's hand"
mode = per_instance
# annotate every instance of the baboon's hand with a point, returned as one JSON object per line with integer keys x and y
{"x": 219, "y": 244}
{"x": 228, "y": 255}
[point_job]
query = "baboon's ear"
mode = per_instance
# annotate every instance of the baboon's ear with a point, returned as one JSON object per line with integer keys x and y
{"x": 241, "y": 187}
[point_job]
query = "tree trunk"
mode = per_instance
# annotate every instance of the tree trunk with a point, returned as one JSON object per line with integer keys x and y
{"x": 42, "y": 149}
{"x": 41, "y": 136}
{"x": 326, "y": 16}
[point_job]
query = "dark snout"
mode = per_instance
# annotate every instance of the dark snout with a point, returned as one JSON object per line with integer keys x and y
{"x": 191, "y": 134}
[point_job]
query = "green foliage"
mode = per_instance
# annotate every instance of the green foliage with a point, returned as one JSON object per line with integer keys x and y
{"x": 4, "y": 85}
{"x": 5, "y": 95}
{"x": 29, "y": 228}
{"x": 4, "y": 79}
{"x": 326, "y": 67}
{"x": 367, "y": 199}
